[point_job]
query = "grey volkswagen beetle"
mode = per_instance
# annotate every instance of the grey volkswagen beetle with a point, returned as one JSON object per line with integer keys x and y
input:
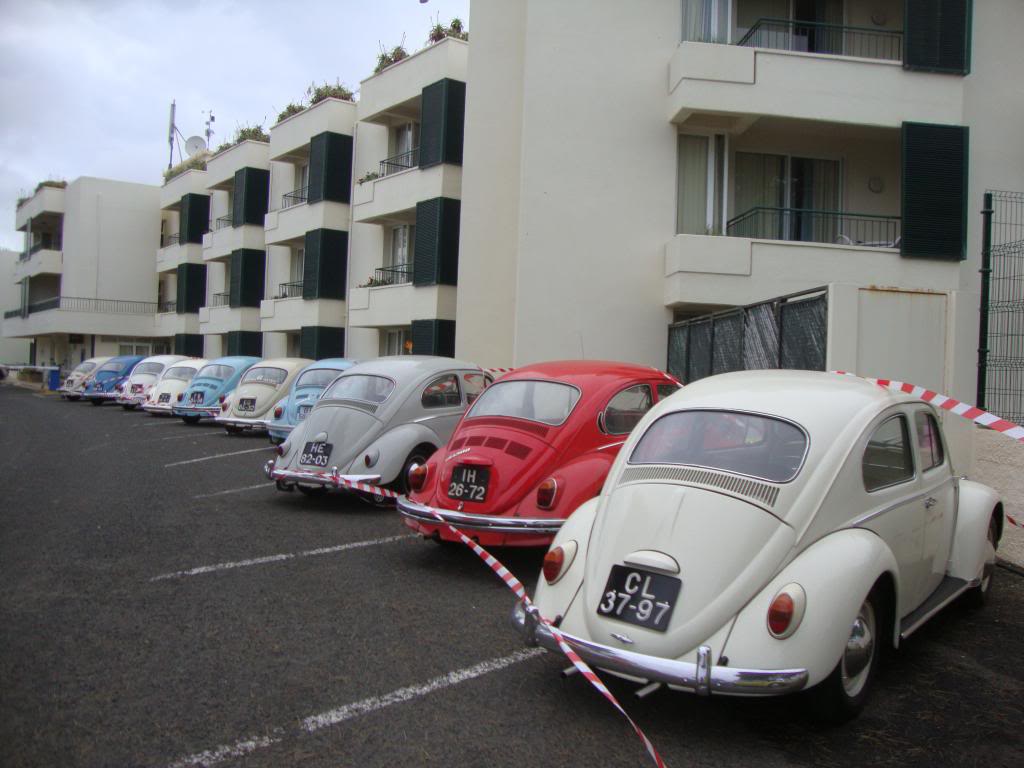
{"x": 375, "y": 421}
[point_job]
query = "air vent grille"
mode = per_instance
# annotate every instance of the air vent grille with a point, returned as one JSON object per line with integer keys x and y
{"x": 754, "y": 489}
{"x": 359, "y": 405}
{"x": 497, "y": 443}
{"x": 517, "y": 450}
{"x": 475, "y": 440}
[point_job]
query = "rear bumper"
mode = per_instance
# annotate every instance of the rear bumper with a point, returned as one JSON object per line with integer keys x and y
{"x": 493, "y": 523}
{"x": 157, "y": 407}
{"x": 131, "y": 400}
{"x": 329, "y": 479}
{"x": 201, "y": 412}
{"x": 703, "y": 678}
{"x": 256, "y": 425}
{"x": 101, "y": 395}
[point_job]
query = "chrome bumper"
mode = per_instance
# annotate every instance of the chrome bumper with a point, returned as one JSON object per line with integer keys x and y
{"x": 493, "y": 523}
{"x": 703, "y": 678}
{"x": 131, "y": 400}
{"x": 272, "y": 427}
{"x": 203, "y": 413}
{"x": 101, "y": 395}
{"x": 315, "y": 477}
{"x": 257, "y": 425}
{"x": 157, "y": 407}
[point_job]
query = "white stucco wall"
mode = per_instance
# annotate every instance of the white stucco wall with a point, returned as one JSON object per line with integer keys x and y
{"x": 11, "y": 350}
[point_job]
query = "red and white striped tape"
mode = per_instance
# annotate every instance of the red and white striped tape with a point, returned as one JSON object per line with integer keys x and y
{"x": 498, "y": 372}
{"x": 967, "y": 411}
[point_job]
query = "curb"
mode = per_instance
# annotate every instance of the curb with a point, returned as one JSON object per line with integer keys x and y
{"x": 1011, "y": 567}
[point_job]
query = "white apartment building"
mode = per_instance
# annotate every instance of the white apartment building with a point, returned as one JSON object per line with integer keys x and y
{"x": 85, "y": 281}
{"x": 12, "y": 351}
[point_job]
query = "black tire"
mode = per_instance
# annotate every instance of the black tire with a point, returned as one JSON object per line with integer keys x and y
{"x": 232, "y": 430}
{"x": 94, "y": 401}
{"x": 72, "y": 398}
{"x": 313, "y": 493}
{"x": 190, "y": 419}
{"x": 128, "y": 407}
{"x": 979, "y": 595}
{"x": 842, "y": 695}
{"x": 419, "y": 455}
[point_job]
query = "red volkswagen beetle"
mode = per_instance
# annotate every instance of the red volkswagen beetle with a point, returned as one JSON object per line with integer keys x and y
{"x": 534, "y": 446}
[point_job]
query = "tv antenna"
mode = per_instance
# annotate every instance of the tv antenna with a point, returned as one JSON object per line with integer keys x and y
{"x": 210, "y": 120}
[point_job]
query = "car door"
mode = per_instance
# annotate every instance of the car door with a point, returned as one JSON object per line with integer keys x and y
{"x": 939, "y": 502}
{"x": 442, "y": 405}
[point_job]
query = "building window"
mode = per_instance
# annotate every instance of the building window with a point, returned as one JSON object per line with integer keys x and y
{"x": 396, "y": 342}
{"x": 298, "y": 263}
{"x": 293, "y": 345}
{"x": 707, "y": 21}
{"x": 302, "y": 176}
{"x": 701, "y": 184}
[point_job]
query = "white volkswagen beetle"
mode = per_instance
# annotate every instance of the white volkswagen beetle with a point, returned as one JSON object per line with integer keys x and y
{"x": 766, "y": 532}
{"x": 144, "y": 377}
{"x": 172, "y": 384}
{"x": 258, "y": 391}
{"x": 75, "y": 382}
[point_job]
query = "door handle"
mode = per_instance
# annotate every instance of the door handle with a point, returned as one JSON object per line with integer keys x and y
{"x": 930, "y": 502}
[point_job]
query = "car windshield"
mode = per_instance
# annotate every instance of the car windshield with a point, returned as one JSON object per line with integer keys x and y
{"x": 265, "y": 375}
{"x": 320, "y": 377}
{"x": 151, "y": 368}
{"x": 111, "y": 367}
{"x": 360, "y": 386}
{"x": 744, "y": 443}
{"x": 214, "y": 371}
{"x": 84, "y": 367}
{"x": 181, "y": 373}
{"x": 549, "y": 402}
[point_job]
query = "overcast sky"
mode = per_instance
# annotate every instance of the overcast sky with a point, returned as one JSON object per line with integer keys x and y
{"x": 86, "y": 84}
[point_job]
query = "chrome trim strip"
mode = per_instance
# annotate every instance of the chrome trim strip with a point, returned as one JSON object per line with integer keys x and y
{"x": 703, "y": 678}
{"x": 492, "y": 523}
{"x": 898, "y": 503}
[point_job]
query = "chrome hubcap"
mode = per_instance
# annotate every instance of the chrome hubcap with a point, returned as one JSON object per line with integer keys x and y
{"x": 859, "y": 651}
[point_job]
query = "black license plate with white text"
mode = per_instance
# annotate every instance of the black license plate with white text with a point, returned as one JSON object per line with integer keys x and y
{"x": 469, "y": 483}
{"x": 247, "y": 404}
{"x": 316, "y": 454}
{"x": 196, "y": 398}
{"x": 303, "y": 412}
{"x": 165, "y": 397}
{"x": 639, "y": 597}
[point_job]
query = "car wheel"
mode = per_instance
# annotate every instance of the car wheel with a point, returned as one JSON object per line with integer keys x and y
{"x": 72, "y": 398}
{"x": 979, "y": 595}
{"x": 419, "y": 455}
{"x": 96, "y": 402}
{"x": 128, "y": 407}
{"x": 841, "y": 696}
{"x": 312, "y": 492}
{"x": 190, "y": 419}
{"x": 232, "y": 430}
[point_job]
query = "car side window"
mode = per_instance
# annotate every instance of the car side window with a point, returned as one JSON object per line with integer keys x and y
{"x": 625, "y": 410}
{"x": 442, "y": 392}
{"x": 474, "y": 384}
{"x": 929, "y": 440}
{"x": 888, "y": 459}
{"x": 664, "y": 390}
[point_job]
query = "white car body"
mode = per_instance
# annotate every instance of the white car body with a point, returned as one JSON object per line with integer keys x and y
{"x": 261, "y": 388}
{"x": 165, "y": 392}
{"x": 143, "y": 378}
{"x": 73, "y": 385}
{"x": 736, "y": 540}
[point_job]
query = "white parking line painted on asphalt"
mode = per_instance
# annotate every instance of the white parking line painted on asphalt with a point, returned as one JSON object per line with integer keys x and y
{"x": 234, "y": 490}
{"x": 200, "y": 434}
{"x": 217, "y": 456}
{"x": 341, "y": 714}
{"x": 278, "y": 558}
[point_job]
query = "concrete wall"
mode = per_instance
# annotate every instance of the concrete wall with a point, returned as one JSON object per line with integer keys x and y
{"x": 11, "y": 350}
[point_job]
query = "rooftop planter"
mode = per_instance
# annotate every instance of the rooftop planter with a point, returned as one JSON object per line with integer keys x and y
{"x": 52, "y": 183}
{"x": 314, "y": 95}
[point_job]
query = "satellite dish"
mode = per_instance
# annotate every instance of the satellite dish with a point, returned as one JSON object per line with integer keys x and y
{"x": 194, "y": 144}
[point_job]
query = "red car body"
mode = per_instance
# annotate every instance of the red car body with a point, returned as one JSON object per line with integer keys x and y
{"x": 523, "y": 433}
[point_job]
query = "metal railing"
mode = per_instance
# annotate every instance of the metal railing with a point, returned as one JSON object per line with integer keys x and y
{"x": 398, "y": 274}
{"x": 172, "y": 239}
{"x": 400, "y": 162}
{"x": 80, "y": 304}
{"x": 8, "y": 314}
{"x": 295, "y": 197}
{"x": 223, "y": 222}
{"x": 42, "y": 245}
{"x": 290, "y": 290}
{"x": 816, "y": 37}
{"x": 168, "y": 306}
{"x": 220, "y": 299}
{"x": 811, "y": 226}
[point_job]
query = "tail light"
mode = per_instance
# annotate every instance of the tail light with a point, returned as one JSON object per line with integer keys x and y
{"x": 181, "y": 396}
{"x": 223, "y": 405}
{"x": 558, "y": 560}
{"x": 546, "y": 493}
{"x": 786, "y": 611}
{"x": 280, "y": 449}
{"x": 221, "y": 400}
{"x": 278, "y": 411}
{"x": 417, "y": 477}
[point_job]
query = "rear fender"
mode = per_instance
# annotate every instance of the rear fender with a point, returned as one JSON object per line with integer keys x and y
{"x": 394, "y": 447}
{"x": 578, "y": 481}
{"x": 553, "y": 599}
{"x": 976, "y": 505}
{"x": 836, "y": 573}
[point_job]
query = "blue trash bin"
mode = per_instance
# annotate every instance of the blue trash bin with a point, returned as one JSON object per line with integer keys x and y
{"x": 53, "y": 380}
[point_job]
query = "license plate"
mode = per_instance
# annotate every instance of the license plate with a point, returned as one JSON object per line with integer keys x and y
{"x": 316, "y": 454}
{"x": 303, "y": 412}
{"x": 137, "y": 389}
{"x": 165, "y": 397}
{"x": 639, "y": 597}
{"x": 195, "y": 397}
{"x": 247, "y": 404}
{"x": 469, "y": 483}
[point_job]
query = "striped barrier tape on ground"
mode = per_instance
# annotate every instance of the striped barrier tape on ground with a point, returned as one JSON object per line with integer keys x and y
{"x": 967, "y": 411}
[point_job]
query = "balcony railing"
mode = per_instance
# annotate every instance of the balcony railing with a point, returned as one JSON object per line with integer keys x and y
{"x": 13, "y": 313}
{"x": 290, "y": 290}
{"x": 398, "y": 274}
{"x": 401, "y": 162}
{"x": 223, "y": 222}
{"x": 170, "y": 240}
{"x": 77, "y": 304}
{"x": 42, "y": 245}
{"x": 168, "y": 306}
{"x": 815, "y": 37}
{"x": 296, "y": 197}
{"x": 810, "y": 226}
{"x": 220, "y": 299}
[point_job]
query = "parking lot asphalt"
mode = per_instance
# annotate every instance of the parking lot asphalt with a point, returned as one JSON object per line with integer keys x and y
{"x": 161, "y": 604}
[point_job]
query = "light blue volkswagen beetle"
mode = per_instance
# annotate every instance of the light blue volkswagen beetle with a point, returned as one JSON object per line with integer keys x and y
{"x": 304, "y": 393}
{"x": 213, "y": 382}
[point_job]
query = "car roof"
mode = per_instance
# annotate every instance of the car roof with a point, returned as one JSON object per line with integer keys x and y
{"x": 125, "y": 358}
{"x": 234, "y": 361}
{"x": 283, "y": 362}
{"x": 190, "y": 362}
{"x": 409, "y": 366}
{"x": 332, "y": 363}
{"x": 165, "y": 359}
{"x": 592, "y": 370}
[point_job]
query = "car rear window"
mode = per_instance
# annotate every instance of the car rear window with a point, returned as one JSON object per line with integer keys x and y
{"x": 549, "y": 402}
{"x": 111, "y": 367}
{"x": 319, "y": 377}
{"x": 181, "y": 373}
{"x": 744, "y": 443}
{"x": 219, "y": 372}
{"x": 361, "y": 386}
{"x": 273, "y": 377}
{"x": 84, "y": 367}
{"x": 151, "y": 368}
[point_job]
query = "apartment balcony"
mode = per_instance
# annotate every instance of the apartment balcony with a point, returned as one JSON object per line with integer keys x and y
{"x": 191, "y": 182}
{"x": 393, "y": 197}
{"x": 295, "y": 216}
{"x": 48, "y": 200}
{"x": 218, "y": 317}
{"x": 223, "y": 239}
{"x": 288, "y": 311}
{"x": 220, "y": 169}
{"x": 289, "y": 139}
{"x": 394, "y": 94}
{"x": 398, "y": 304}
{"x": 174, "y": 252}
{"x": 69, "y": 314}
{"x": 38, "y": 260}
{"x": 168, "y": 323}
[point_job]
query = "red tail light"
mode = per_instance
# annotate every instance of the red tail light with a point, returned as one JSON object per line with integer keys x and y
{"x": 546, "y": 493}
{"x": 786, "y": 611}
{"x": 279, "y": 449}
{"x": 553, "y": 562}
{"x": 221, "y": 400}
{"x": 417, "y": 477}
{"x": 278, "y": 411}
{"x": 223, "y": 406}
{"x": 181, "y": 396}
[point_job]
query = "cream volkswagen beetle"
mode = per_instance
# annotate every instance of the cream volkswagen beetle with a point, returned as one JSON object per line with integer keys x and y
{"x": 258, "y": 391}
{"x": 767, "y": 532}
{"x": 172, "y": 383}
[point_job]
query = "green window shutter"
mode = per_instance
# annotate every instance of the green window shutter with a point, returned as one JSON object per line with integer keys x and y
{"x": 937, "y": 35}
{"x": 436, "y": 255}
{"x": 251, "y": 196}
{"x": 330, "y": 167}
{"x": 194, "y": 218}
{"x": 246, "y": 283}
{"x": 319, "y": 341}
{"x": 325, "y": 268}
{"x": 443, "y": 117}
{"x": 433, "y": 337}
{"x": 934, "y": 194}
{"x": 191, "y": 288}
{"x": 245, "y": 343}
{"x": 190, "y": 344}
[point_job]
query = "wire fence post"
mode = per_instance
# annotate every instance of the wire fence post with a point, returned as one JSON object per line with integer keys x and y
{"x": 986, "y": 278}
